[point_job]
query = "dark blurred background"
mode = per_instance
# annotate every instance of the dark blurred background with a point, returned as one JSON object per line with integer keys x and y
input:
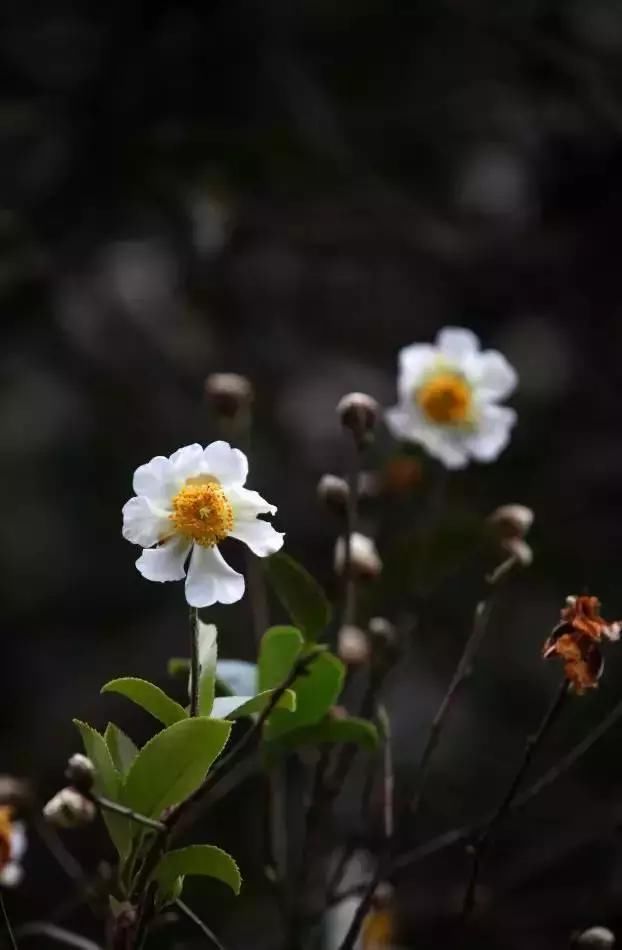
{"x": 294, "y": 190}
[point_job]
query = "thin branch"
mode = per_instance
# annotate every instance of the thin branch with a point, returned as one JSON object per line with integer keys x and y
{"x": 107, "y": 805}
{"x": 65, "y": 859}
{"x": 194, "y": 661}
{"x": 462, "y": 672}
{"x": 531, "y": 745}
{"x": 58, "y": 934}
{"x": 350, "y": 592}
{"x": 7, "y": 923}
{"x": 190, "y": 914}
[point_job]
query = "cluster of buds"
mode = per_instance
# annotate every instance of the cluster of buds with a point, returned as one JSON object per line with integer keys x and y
{"x": 72, "y": 807}
{"x": 577, "y": 638}
{"x": 378, "y": 646}
{"x": 510, "y": 525}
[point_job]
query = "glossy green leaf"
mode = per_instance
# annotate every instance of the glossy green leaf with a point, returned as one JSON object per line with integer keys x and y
{"x": 299, "y": 593}
{"x": 316, "y": 692}
{"x": 278, "y": 651}
{"x": 122, "y": 749}
{"x": 236, "y": 707}
{"x": 108, "y": 783}
{"x": 351, "y": 729}
{"x": 208, "y": 654}
{"x": 173, "y": 764}
{"x": 203, "y": 859}
{"x": 149, "y": 696}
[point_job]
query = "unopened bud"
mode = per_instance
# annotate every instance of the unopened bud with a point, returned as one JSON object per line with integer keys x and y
{"x": 15, "y": 793}
{"x": 69, "y": 809}
{"x": 352, "y": 646}
{"x": 229, "y": 393}
{"x": 383, "y": 895}
{"x": 80, "y": 772}
{"x": 365, "y": 562}
{"x": 333, "y": 492}
{"x": 384, "y": 639}
{"x": 519, "y": 550}
{"x": 359, "y": 413}
{"x": 511, "y": 521}
{"x": 596, "y": 938}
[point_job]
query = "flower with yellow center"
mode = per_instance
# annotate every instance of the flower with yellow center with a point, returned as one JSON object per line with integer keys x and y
{"x": 184, "y": 507}
{"x": 12, "y": 847}
{"x": 448, "y": 399}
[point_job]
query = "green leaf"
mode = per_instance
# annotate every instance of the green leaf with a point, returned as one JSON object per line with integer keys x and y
{"x": 108, "y": 783}
{"x": 178, "y": 667}
{"x": 208, "y": 654}
{"x": 122, "y": 749}
{"x": 203, "y": 859}
{"x": 299, "y": 593}
{"x": 173, "y": 764}
{"x": 278, "y": 651}
{"x": 149, "y": 696}
{"x": 329, "y": 730}
{"x": 316, "y": 692}
{"x": 236, "y": 707}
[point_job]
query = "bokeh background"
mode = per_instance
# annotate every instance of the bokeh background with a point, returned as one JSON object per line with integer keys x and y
{"x": 294, "y": 190}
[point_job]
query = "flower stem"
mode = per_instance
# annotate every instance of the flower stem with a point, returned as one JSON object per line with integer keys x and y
{"x": 483, "y": 839}
{"x": 7, "y": 923}
{"x": 481, "y": 619}
{"x": 194, "y": 661}
{"x": 190, "y": 914}
{"x": 107, "y": 805}
{"x": 350, "y": 589}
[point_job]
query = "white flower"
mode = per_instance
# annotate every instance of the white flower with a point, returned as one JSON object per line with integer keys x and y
{"x": 12, "y": 848}
{"x": 184, "y": 507}
{"x": 448, "y": 397}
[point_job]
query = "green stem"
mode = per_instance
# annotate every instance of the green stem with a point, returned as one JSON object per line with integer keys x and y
{"x": 194, "y": 661}
{"x": 108, "y": 805}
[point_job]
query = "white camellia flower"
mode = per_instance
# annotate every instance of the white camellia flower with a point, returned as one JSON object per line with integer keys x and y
{"x": 184, "y": 507}
{"x": 448, "y": 395}
{"x": 12, "y": 847}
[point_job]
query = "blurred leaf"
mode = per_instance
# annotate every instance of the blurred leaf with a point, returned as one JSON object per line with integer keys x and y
{"x": 316, "y": 692}
{"x": 208, "y": 654}
{"x": 238, "y": 677}
{"x": 149, "y": 696}
{"x": 299, "y": 593}
{"x": 236, "y": 707}
{"x": 178, "y": 667}
{"x": 278, "y": 650}
{"x": 173, "y": 764}
{"x": 203, "y": 859}
{"x": 329, "y": 730}
{"x": 122, "y": 749}
{"x": 107, "y": 783}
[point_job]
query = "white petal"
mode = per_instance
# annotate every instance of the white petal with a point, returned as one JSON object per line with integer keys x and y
{"x": 165, "y": 563}
{"x": 492, "y": 376}
{"x": 210, "y": 580}
{"x": 11, "y": 874}
{"x": 239, "y": 675}
{"x": 399, "y": 422}
{"x": 414, "y": 362}
{"x": 493, "y": 433}
{"x": 186, "y": 461}
{"x": 155, "y": 480}
{"x": 447, "y": 446}
{"x": 18, "y": 841}
{"x": 144, "y": 523}
{"x": 248, "y": 504}
{"x": 229, "y": 466}
{"x": 457, "y": 345}
{"x": 259, "y": 535}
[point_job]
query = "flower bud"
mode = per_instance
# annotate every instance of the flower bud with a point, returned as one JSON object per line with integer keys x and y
{"x": 80, "y": 772}
{"x": 384, "y": 640}
{"x": 511, "y": 521}
{"x": 359, "y": 413}
{"x": 383, "y": 895}
{"x": 596, "y": 938}
{"x": 365, "y": 562}
{"x": 15, "y": 793}
{"x": 352, "y": 646}
{"x": 229, "y": 393}
{"x": 333, "y": 492}
{"x": 69, "y": 809}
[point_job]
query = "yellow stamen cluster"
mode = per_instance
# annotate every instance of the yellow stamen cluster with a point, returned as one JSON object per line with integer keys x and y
{"x": 6, "y": 816}
{"x": 445, "y": 399}
{"x": 202, "y": 512}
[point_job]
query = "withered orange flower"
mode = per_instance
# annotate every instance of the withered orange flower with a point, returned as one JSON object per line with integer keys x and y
{"x": 577, "y": 641}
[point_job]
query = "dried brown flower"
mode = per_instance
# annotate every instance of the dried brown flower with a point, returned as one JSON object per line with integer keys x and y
{"x": 576, "y": 640}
